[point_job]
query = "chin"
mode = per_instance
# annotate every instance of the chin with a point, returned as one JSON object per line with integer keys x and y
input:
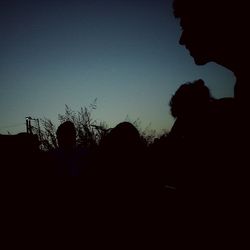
{"x": 200, "y": 61}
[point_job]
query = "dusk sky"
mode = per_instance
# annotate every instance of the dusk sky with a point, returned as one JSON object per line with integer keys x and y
{"x": 125, "y": 53}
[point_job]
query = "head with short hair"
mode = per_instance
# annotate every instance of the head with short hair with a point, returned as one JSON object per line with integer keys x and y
{"x": 124, "y": 136}
{"x": 214, "y": 30}
{"x": 66, "y": 135}
{"x": 191, "y": 98}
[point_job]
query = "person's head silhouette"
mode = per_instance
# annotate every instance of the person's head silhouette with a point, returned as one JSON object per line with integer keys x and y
{"x": 190, "y": 99}
{"x": 124, "y": 136}
{"x": 214, "y": 30}
{"x": 66, "y": 135}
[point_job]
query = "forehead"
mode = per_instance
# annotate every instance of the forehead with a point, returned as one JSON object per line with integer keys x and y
{"x": 187, "y": 23}
{"x": 195, "y": 22}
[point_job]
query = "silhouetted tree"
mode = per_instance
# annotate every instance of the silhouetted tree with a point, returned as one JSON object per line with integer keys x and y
{"x": 48, "y": 135}
{"x": 88, "y": 131}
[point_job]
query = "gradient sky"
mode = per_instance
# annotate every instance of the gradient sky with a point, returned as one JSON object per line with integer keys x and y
{"x": 125, "y": 53}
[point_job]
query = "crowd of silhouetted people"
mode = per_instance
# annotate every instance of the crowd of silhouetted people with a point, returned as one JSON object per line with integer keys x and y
{"x": 121, "y": 158}
{"x": 206, "y": 151}
{"x": 200, "y": 140}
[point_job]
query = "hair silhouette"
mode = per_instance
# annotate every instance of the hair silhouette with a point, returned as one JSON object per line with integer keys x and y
{"x": 190, "y": 99}
{"x": 123, "y": 137}
{"x": 191, "y": 105}
{"x": 66, "y": 135}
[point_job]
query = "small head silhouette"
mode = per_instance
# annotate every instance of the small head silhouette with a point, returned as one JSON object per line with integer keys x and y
{"x": 191, "y": 98}
{"x": 66, "y": 135}
{"x": 124, "y": 136}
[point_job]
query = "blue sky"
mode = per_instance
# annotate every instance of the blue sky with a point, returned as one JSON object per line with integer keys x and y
{"x": 125, "y": 53}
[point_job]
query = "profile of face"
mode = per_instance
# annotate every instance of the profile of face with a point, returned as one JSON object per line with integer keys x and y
{"x": 211, "y": 32}
{"x": 198, "y": 41}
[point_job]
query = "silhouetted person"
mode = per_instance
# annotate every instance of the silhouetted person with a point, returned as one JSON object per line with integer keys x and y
{"x": 217, "y": 31}
{"x": 190, "y": 106}
{"x": 191, "y": 137}
{"x": 68, "y": 159}
{"x": 125, "y": 179}
{"x": 203, "y": 129}
{"x": 20, "y": 155}
{"x": 121, "y": 156}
